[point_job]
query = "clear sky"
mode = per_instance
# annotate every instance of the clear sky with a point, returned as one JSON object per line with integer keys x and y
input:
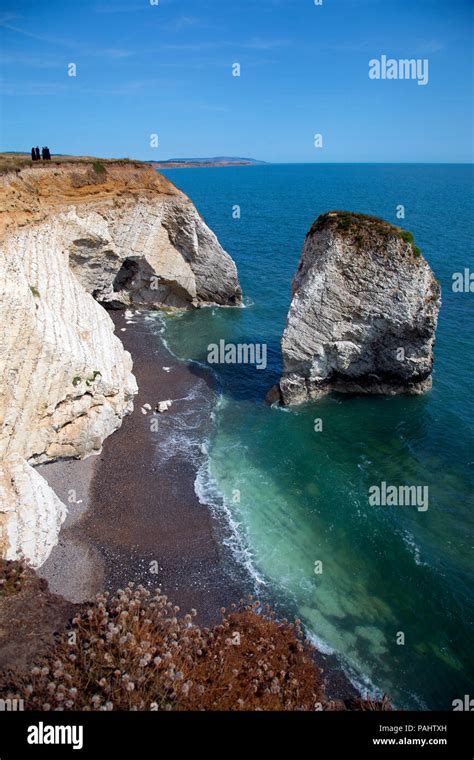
{"x": 166, "y": 69}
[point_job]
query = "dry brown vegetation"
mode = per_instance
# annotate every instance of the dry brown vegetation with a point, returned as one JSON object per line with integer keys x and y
{"x": 12, "y": 575}
{"x": 133, "y": 651}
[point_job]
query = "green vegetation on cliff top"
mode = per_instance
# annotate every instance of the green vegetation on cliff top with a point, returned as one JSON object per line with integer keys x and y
{"x": 361, "y": 226}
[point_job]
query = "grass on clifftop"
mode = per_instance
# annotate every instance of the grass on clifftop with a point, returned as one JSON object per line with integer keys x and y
{"x": 361, "y": 226}
{"x": 14, "y": 162}
{"x": 133, "y": 651}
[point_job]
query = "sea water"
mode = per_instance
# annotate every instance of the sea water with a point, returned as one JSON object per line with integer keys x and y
{"x": 389, "y": 589}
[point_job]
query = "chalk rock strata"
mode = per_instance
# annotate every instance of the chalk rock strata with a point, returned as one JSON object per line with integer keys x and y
{"x": 69, "y": 239}
{"x": 66, "y": 383}
{"x": 363, "y": 314}
{"x": 150, "y": 253}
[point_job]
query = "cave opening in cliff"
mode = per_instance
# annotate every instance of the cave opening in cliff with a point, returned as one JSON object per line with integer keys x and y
{"x": 126, "y": 274}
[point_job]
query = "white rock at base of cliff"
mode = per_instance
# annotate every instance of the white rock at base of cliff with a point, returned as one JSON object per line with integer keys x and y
{"x": 30, "y": 513}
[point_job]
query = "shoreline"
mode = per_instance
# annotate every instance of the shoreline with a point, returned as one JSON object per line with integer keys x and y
{"x": 137, "y": 516}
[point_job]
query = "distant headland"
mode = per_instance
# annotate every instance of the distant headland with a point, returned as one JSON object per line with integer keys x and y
{"x": 187, "y": 163}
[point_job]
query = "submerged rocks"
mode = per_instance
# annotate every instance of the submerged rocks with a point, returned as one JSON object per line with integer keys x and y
{"x": 363, "y": 314}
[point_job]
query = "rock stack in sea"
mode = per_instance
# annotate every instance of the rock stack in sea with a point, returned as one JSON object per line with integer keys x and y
{"x": 72, "y": 236}
{"x": 363, "y": 314}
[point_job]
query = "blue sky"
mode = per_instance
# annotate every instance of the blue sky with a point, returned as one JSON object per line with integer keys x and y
{"x": 144, "y": 69}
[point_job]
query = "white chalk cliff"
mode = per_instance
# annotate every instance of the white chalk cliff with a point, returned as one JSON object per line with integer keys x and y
{"x": 363, "y": 314}
{"x": 71, "y": 236}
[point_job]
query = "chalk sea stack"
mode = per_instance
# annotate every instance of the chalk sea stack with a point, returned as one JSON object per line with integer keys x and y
{"x": 363, "y": 314}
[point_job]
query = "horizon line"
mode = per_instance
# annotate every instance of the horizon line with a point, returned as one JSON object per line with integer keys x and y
{"x": 257, "y": 161}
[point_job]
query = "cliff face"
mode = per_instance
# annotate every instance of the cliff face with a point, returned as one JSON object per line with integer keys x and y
{"x": 72, "y": 236}
{"x": 130, "y": 236}
{"x": 363, "y": 314}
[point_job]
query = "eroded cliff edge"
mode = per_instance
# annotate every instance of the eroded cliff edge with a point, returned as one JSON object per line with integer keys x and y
{"x": 363, "y": 314}
{"x": 74, "y": 235}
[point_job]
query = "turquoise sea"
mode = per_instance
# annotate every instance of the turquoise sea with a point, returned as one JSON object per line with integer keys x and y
{"x": 294, "y": 496}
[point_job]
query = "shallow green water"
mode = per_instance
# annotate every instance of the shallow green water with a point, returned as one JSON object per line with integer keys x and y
{"x": 296, "y": 496}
